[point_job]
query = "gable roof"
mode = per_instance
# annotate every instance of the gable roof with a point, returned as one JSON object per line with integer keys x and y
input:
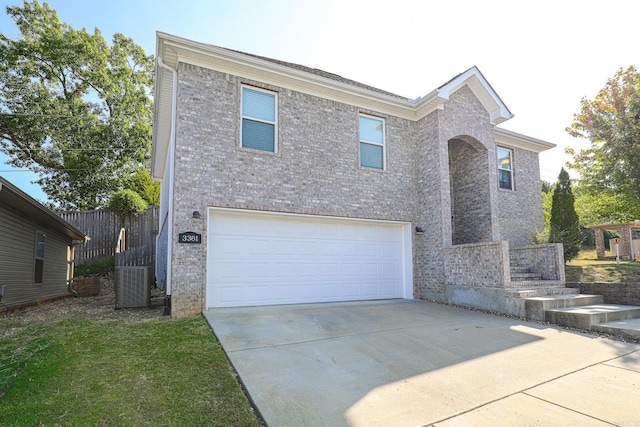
{"x": 481, "y": 88}
{"x": 171, "y": 50}
{"x": 16, "y": 199}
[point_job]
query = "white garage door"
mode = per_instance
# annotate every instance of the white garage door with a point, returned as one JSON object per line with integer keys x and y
{"x": 256, "y": 258}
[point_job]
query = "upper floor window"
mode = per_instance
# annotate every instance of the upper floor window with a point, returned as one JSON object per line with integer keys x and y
{"x": 258, "y": 119}
{"x": 505, "y": 168}
{"x": 39, "y": 257}
{"x": 372, "y": 142}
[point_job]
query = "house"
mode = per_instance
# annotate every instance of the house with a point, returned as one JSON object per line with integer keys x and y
{"x": 36, "y": 249}
{"x": 286, "y": 184}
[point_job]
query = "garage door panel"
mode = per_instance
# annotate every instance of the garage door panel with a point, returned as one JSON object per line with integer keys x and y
{"x": 232, "y": 246}
{"x": 367, "y": 250}
{"x": 230, "y": 270}
{"x": 231, "y": 295}
{"x": 369, "y": 270}
{"x": 370, "y": 289}
{"x": 257, "y": 246}
{"x": 350, "y": 270}
{"x": 260, "y": 258}
{"x": 329, "y": 270}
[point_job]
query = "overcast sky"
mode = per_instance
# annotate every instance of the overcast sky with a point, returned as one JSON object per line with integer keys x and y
{"x": 541, "y": 57}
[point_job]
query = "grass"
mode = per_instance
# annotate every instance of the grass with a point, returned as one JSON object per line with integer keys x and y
{"x": 586, "y": 268}
{"x": 156, "y": 372}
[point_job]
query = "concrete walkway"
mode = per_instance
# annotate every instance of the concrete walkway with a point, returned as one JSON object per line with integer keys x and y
{"x": 414, "y": 363}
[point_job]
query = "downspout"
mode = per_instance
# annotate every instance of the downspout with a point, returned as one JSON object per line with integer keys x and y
{"x": 172, "y": 139}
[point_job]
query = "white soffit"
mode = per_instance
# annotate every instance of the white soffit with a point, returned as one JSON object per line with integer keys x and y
{"x": 517, "y": 140}
{"x": 162, "y": 115}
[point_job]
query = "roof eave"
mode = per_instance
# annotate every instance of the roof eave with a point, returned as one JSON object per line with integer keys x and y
{"x": 28, "y": 205}
{"x": 518, "y": 140}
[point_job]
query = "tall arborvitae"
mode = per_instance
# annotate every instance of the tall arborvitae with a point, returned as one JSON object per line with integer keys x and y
{"x": 565, "y": 225}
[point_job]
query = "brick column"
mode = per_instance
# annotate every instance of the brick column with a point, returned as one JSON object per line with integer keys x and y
{"x": 599, "y": 242}
{"x": 625, "y": 241}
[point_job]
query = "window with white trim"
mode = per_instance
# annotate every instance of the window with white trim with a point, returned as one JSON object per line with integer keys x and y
{"x": 39, "y": 257}
{"x": 259, "y": 125}
{"x": 372, "y": 142}
{"x": 505, "y": 168}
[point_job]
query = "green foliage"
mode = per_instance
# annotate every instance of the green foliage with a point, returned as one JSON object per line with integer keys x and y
{"x": 73, "y": 109}
{"x": 146, "y": 187}
{"x": 115, "y": 372}
{"x": 609, "y": 169}
{"x": 601, "y": 206}
{"x": 547, "y": 191}
{"x": 127, "y": 202}
{"x": 587, "y": 237}
{"x": 99, "y": 267}
{"x": 564, "y": 222}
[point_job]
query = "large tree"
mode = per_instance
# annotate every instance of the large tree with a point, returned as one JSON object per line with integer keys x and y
{"x": 73, "y": 108}
{"x": 564, "y": 221}
{"x": 610, "y": 168}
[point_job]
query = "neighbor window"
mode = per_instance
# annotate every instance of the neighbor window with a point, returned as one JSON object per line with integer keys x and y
{"x": 39, "y": 257}
{"x": 258, "y": 119}
{"x": 505, "y": 168}
{"x": 371, "y": 142}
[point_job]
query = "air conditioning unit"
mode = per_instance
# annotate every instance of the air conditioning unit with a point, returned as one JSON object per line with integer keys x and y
{"x": 133, "y": 286}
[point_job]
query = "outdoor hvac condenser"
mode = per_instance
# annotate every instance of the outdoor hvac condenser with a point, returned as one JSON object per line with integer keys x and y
{"x": 133, "y": 286}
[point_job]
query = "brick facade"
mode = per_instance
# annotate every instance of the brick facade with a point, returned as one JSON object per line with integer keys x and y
{"x": 520, "y": 212}
{"x": 441, "y": 174}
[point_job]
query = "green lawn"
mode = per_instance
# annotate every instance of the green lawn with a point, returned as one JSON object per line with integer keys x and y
{"x": 586, "y": 268}
{"x": 117, "y": 373}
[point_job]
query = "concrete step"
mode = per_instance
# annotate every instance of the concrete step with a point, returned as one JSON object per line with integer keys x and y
{"x": 536, "y": 306}
{"x": 532, "y": 284}
{"x": 584, "y": 317}
{"x": 629, "y": 328}
{"x": 540, "y": 292}
{"x": 518, "y": 269}
{"x": 525, "y": 276}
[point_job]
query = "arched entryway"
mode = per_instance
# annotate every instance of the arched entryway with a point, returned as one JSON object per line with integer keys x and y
{"x": 471, "y": 220}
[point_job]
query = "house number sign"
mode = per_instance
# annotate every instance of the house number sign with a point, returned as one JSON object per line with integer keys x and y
{"x": 189, "y": 237}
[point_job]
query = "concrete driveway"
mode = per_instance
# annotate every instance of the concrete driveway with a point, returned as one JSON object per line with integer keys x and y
{"x": 414, "y": 363}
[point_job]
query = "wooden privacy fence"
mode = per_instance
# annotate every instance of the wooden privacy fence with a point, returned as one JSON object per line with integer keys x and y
{"x": 139, "y": 256}
{"x": 103, "y": 227}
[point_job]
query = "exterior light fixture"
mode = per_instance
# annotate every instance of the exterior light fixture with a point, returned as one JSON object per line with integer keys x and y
{"x": 419, "y": 230}
{"x": 196, "y": 215}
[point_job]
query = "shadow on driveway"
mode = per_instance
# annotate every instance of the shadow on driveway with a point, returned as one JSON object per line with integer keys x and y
{"x": 394, "y": 362}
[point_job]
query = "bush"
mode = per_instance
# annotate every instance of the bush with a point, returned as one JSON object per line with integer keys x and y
{"x": 127, "y": 202}
{"x": 99, "y": 267}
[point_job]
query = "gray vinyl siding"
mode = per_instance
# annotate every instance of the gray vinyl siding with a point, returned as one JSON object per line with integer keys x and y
{"x": 17, "y": 260}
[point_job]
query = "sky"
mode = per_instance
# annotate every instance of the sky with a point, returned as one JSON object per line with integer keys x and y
{"x": 541, "y": 57}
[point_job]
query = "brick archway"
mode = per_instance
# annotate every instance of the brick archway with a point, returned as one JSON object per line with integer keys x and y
{"x": 471, "y": 219}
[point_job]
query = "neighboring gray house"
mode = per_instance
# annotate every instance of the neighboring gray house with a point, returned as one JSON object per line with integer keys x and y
{"x": 36, "y": 249}
{"x": 301, "y": 186}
